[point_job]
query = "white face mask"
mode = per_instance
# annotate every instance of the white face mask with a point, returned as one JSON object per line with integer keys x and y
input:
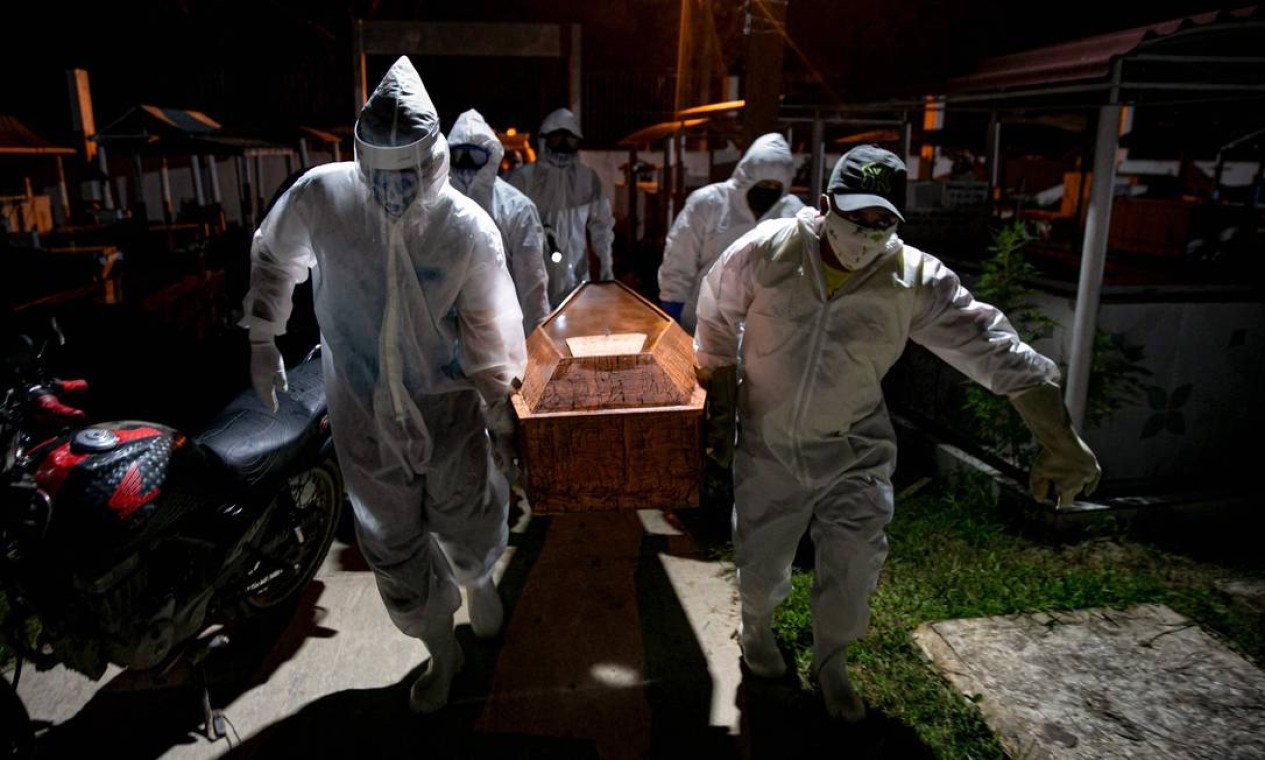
{"x": 856, "y": 246}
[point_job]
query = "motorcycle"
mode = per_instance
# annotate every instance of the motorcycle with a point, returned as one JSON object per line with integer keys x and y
{"x": 125, "y": 542}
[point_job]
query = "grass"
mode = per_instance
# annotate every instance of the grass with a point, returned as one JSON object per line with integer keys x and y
{"x": 953, "y": 554}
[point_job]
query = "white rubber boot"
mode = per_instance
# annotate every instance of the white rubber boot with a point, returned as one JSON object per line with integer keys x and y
{"x": 842, "y": 703}
{"x": 486, "y": 612}
{"x": 430, "y": 690}
{"x": 759, "y": 647}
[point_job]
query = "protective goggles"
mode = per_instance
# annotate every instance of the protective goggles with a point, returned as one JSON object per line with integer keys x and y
{"x": 564, "y": 141}
{"x": 469, "y": 156}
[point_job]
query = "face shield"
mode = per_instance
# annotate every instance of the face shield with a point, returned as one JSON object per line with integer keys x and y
{"x": 401, "y": 154}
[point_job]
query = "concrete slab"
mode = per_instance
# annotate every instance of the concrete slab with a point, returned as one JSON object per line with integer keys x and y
{"x": 1101, "y": 684}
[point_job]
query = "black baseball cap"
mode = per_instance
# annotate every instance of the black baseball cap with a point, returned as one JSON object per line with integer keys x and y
{"x": 868, "y": 176}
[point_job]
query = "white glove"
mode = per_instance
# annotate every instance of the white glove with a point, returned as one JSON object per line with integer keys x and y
{"x": 501, "y": 429}
{"x": 1064, "y": 460}
{"x": 607, "y": 274}
{"x": 267, "y": 371}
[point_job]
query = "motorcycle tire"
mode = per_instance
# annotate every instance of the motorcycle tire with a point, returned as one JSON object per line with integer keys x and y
{"x": 317, "y": 500}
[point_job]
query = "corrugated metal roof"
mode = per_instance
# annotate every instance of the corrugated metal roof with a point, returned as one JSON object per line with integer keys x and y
{"x": 17, "y": 139}
{"x": 146, "y": 123}
{"x": 1090, "y": 58}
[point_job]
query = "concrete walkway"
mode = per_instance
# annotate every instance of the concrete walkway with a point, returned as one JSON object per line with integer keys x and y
{"x": 619, "y": 643}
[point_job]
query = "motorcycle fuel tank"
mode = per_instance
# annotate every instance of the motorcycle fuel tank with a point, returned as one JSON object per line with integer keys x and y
{"x": 105, "y": 481}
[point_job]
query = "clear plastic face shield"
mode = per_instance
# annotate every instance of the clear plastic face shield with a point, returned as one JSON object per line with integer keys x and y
{"x": 401, "y": 175}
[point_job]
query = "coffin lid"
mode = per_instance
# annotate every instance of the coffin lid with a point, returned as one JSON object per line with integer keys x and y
{"x": 608, "y": 349}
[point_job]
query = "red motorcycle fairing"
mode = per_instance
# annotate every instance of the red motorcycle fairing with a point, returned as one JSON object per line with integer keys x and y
{"x": 109, "y": 475}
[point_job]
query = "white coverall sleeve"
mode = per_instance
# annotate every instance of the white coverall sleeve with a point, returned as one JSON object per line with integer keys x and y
{"x": 526, "y": 259}
{"x": 681, "y": 254}
{"x": 723, "y": 301}
{"x": 601, "y": 229}
{"x": 280, "y": 257}
{"x": 490, "y": 324}
{"x": 974, "y": 337}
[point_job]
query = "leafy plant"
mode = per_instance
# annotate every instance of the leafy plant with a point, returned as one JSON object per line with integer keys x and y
{"x": 1115, "y": 365}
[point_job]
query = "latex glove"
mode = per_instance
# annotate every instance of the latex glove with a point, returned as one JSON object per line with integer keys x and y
{"x": 720, "y": 414}
{"x": 672, "y": 309}
{"x": 501, "y": 431}
{"x": 267, "y": 371}
{"x": 1064, "y": 460}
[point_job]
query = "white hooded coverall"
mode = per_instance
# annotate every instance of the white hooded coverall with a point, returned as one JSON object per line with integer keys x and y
{"x": 572, "y": 207}
{"x": 716, "y": 215}
{"x": 418, "y": 317}
{"x": 816, "y": 449}
{"x": 514, "y": 213}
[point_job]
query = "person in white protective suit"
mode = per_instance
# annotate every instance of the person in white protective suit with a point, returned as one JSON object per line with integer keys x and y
{"x": 476, "y": 154}
{"x": 421, "y": 338}
{"x": 716, "y": 215}
{"x": 824, "y": 304}
{"x": 574, "y": 210}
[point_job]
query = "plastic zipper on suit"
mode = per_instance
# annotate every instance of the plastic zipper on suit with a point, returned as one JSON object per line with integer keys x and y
{"x": 802, "y": 397}
{"x": 391, "y": 322}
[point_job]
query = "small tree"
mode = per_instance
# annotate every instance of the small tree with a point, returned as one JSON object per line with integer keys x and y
{"x": 1114, "y": 367}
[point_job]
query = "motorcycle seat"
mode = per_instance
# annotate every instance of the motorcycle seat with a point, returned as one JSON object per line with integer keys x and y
{"x": 254, "y": 444}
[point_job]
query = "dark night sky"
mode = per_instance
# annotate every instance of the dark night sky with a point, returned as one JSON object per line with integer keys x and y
{"x": 254, "y": 64}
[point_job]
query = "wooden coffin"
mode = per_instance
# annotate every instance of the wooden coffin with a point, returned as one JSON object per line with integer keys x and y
{"x": 609, "y": 412}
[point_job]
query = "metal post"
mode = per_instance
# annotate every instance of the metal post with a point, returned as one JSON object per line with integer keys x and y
{"x": 994, "y": 157}
{"x": 107, "y": 195}
{"x": 120, "y": 188}
{"x": 574, "y": 81}
{"x": 906, "y": 136}
{"x": 359, "y": 76}
{"x": 28, "y": 215}
{"x": 338, "y": 153}
{"x": 165, "y": 178}
{"x": 195, "y": 168}
{"x": 305, "y": 161}
{"x": 678, "y": 175}
{"x": 258, "y": 200}
{"x": 63, "y": 194}
{"x": 245, "y": 192}
{"x": 213, "y": 170}
{"x": 632, "y": 200}
{"x": 139, "y": 210}
{"x": 1093, "y": 257}
{"x": 817, "y": 170}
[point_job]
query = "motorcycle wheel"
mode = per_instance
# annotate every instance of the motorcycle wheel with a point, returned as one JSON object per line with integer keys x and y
{"x": 317, "y": 501}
